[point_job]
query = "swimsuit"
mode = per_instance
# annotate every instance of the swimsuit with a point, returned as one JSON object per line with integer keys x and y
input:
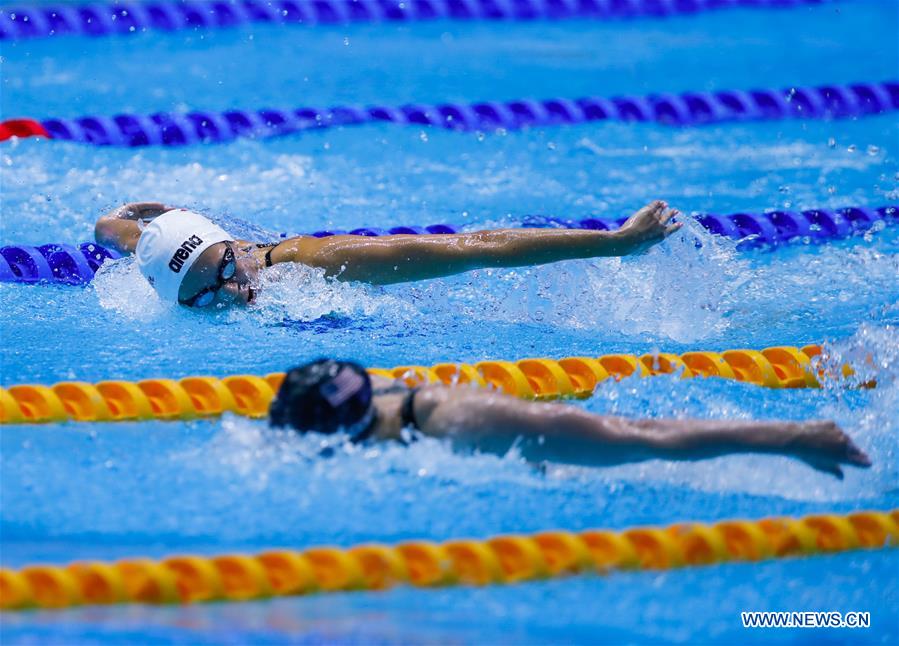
{"x": 408, "y": 420}
{"x": 407, "y": 412}
{"x": 268, "y": 254}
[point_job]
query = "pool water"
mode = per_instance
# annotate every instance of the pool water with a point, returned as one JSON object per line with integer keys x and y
{"x": 110, "y": 490}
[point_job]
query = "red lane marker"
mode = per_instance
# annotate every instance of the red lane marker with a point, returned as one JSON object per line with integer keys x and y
{"x": 21, "y": 128}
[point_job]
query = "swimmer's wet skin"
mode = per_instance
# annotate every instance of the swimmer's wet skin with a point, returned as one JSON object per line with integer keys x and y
{"x": 329, "y": 396}
{"x": 192, "y": 261}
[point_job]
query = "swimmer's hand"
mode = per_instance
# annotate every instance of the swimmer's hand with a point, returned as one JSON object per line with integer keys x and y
{"x": 142, "y": 210}
{"x": 824, "y": 446}
{"x": 119, "y": 229}
{"x": 648, "y": 226}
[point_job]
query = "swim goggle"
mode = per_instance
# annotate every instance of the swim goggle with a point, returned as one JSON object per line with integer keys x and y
{"x": 226, "y": 271}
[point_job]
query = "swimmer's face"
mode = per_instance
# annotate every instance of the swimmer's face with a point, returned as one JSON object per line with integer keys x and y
{"x": 220, "y": 276}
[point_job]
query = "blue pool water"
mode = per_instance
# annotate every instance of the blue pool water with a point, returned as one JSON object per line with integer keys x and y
{"x": 111, "y": 490}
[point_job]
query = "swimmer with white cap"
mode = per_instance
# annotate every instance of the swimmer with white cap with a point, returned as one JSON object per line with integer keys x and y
{"x": 192, "y": 261}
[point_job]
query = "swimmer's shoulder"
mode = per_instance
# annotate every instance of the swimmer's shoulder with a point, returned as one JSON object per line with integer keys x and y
{"x": 296, "y": 249}
{"x": 265, "y": 252}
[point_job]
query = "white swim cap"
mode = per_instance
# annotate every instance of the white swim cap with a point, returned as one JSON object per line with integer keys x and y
{"x": 169, "y": 246}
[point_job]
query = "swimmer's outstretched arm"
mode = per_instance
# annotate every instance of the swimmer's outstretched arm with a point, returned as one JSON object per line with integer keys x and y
{"x": 561, "y": 433}
{"x": 400, "y": 258}
{"x": 120, "y": 230}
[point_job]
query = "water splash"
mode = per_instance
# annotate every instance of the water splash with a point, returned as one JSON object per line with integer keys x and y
{"x": 302, "y": 293}
{"x": 121, "y": 288}
{"x": 677, "y": 290}
{"x": 288, "y": 291}
{"x": 868, "y": 416}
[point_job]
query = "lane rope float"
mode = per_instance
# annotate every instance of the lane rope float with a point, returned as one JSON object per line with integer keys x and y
{"x": 53, "y": 263}
{"x": 59, "y": 263}
{"x": 188, "y": 578}
{"x": 535, "y": 378}
{"x": 687, "y": 109}
{"x": 106, "y": 19}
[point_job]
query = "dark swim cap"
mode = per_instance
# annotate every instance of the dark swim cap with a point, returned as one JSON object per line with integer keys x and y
{"x": 325, "y": 396}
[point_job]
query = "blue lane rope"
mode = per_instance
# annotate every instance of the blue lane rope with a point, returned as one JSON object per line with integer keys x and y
{"x": 687, "y": 109}
{"x": 53, "y": 263}
{"x": 59, "y": 263}
{"x": 125, "y": 18}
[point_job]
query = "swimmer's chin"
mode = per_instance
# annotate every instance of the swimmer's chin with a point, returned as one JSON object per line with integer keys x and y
{"x": 245, "y": 297}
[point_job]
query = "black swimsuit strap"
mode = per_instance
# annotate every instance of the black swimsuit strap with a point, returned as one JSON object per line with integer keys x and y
{"x": 268, "y": 254}
{"x": 407, "y": 412}
{"x": 408, "y": 420}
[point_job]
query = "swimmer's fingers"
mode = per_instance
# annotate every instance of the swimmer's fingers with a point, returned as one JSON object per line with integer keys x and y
{"x": 647, "y": 213}
{"x": 824, "y": 465}
{"x": 665, "y": 217}
{"x": 658, "y": 210}
{"x": 158, "y": 208}
{"x": 856, "y": 456}
{"x": 849, "y": 452}
{"x": 666, "y": 221}
{"x": 825, "y": 437}
{"x": 144, "y": 209}
{"x": 825, "y": 445}
{"x": 147, "y": 206}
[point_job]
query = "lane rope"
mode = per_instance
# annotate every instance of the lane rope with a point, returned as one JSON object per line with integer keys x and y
{"x": 76, "y": 265}
{"x": 128, "y": 18}
{"x": 53, "y": 263}
{"x": 534, "y": 378}
{"x": 188, "y": 578}
{"x": 687, "y": 109}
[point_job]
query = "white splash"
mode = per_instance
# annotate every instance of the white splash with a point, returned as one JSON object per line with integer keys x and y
{"x": 288, "y": 290}
{"x": 678, "y": 290}
{"x": 120, "y": 287}
{"x": 300, "y": 292}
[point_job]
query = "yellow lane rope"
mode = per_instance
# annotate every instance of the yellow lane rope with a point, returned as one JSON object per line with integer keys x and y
{"x": 249, "y": 395}
{"x": 498, "y": 560}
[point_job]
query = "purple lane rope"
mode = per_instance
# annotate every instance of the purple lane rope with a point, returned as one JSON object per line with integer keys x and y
{"x": 683, "y": 110}
{"x": 123, "y": 18}
{"x": 59, "y": 263}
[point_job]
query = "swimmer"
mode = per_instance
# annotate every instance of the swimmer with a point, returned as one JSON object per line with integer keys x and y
{"x": 191, "y": 261}
{"x": 327, "y": 396}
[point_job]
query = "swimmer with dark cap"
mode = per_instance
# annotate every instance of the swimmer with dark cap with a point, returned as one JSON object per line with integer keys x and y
{"x": 191, "y": 261}
{"x": 328, "y": 396}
